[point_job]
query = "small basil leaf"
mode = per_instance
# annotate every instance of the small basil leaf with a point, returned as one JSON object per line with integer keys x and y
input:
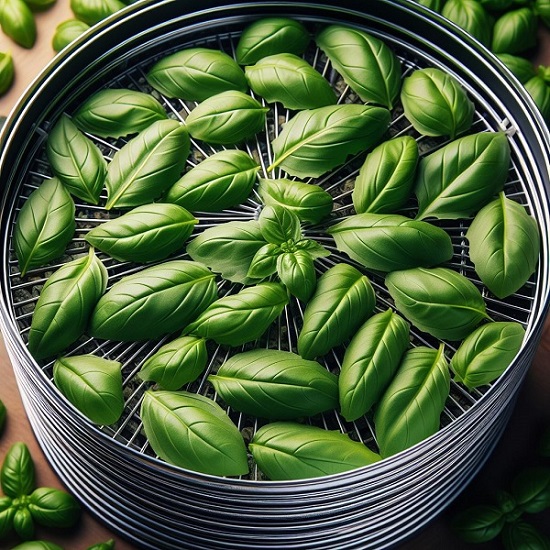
{"x": 93, "y": 12}
{"x": 37, "y": 545}
{"x": 288, "y": 450}
{"x": 207, "y": 441}
{"x": 66, "y": 32}
{"x": 6, "y": 521}
{"x": 23, "y": 524}
{"x": 18, "y": 474}
{"x": 7, "y": 71}
{"x": 521, "y": 67}
{"x": 531, "y": 489}
{"x": 5, "y": 503}
{"x": 471, "y": 16}
{"x": 17, "y": 22}
{"x": 539, "y": 90}
{"x": 297, "y": 273}
{"x": 515, "y": 31}
{"x": 313, "y": 248}
{"x": 279, "y": 225}
{"x": 52, "y": 507}
{"x": 521, "y": 535}
{"x": 275, "y": 384}
{"x": 264, "y": 262}
{"x": 108, "y": 545}
{"x": 479, "y": 523}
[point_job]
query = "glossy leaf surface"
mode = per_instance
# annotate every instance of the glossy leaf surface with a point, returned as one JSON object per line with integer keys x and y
{"x": 521, "y": 535}
{"x": 515, "y": 31}
{"x": 94, "y": 12}
{"x": 531, "y": 489}
{"x": 480, "y": 523}
{"x": 17, "y": 22}
{"x": 471, "y": 16}
{"x": 279, "y": 225}
{"x": 17, "y": 475}
{"x": 297, "y": 273}
{"x": 53, "y": 507}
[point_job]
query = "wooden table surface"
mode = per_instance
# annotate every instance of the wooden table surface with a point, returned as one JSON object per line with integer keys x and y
{"x": 516, "y": 448}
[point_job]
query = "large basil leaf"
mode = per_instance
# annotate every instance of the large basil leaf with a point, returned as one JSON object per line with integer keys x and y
{"x": 515, "y": 31}
{"x": 370, "y": 362}
{"x": 297, "y": 273}
{"x": 118, "y": 112}
{"x": 539, "y": 90}
{"x": 409, "y": 411}
{"x": 147, "y": 165}
{"x": 521, "y": 535}
{"x": 93, "y": 12}
{"x": 461, "y": 177}
{"x": 65, "y": 305}
{"x": 66, "y": 32}
{"x": 388, "y": 242}
{"x": 275, "y": 384}
{"x": 18, "y": 476}
{"x": 522, "y": 68}
{"x": 228, "y": 249}
{"x": 207, "y": 441}
{"x": 76, "y": 160}
{"x": 153, "y": 302}
{"x": 196, "y": 74}
{"x": 288, "y": 450}
{"x": 439, "y": 301}
{"x": 343, "y": 300}
{"x": 504, "y": 246}
{"x": 145, "y": 234}
{"x": 176, "y": 363}
{"x": 531, "y": 489}
{"x": 226, "y": 118}
{"x": 53, "y": 507}
{"x": 17, "y": 21}
{"x": 279, "y": 225}
{"x": 386, "y": 179}
{"x": 317, "y": 140}
{"x": 290, "y": 80}
{"x": 486, "y": 353}
{"x": 480, "y": 523}
{"x": 471, "y": 16}
{"x": 93, "y": 385}
{"x": 367, "y": 65}
{"x": 309, "y": 202}
{"x": 269, "y": 36}
{"x": 223, "y": 180}
{"x": 436, "y": 104}
{"x": 44, "y": 226}
{"x": 243, "y": 317}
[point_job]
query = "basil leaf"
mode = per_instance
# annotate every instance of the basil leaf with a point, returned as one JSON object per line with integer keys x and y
{"x": 44, "y": 226}
{"x": 145, "y": 234}
{"x": 6, "y": 521}
{"x": 288, "y": 450}
{"x": 53, "y": 508}
{"x": 386, "y": 178}
{"x": 195, "y": 74}
{"x": 480, "y": 523}
{"x": 471, "y": 16}
{"x": 521, "y": 67}
{"x": 367, "y": 65}
{"x": 207, "y": 441}
{"x": 279, "y": 225}
{"x": 389, "y": 242}
{"x": 264, "y": 262}
{"x": 23, "y": 524}
{"x": 181, "y": 361}
{"x": 228, "y": 249}
{"x": 531, "y": 489}
{"x": 309, "y": 202}
{"x": 7, "y": 72}
{"x": 65, "y": 305}
{"x": 461, "y": 177}
{"x": 17, "y": 22}
{"x": 243, "y": 317}
{"x": 290, "y": 80}
{"x": 66, "y": 32}
{"x": 76, "y": 161}
{"x": 542, "y": 9}
{"x": 370, "y": 362}
{"x": 118, "y": 112}
{"x": 275, "y": 384}
{"x": 147, "y": 165}
{"x": 223, "y": 180}
{"x": 317, "y": 140}
{"x": 343, "y": 300}
{"x": 297, "y": 273}
{"x": 504, "y": 246}
{"x": 486, "y": 353}
{"x": 436, "y": 104}
{"x": 3, "y": 414}
{"x": 155, "y": 301}
{"x": 93, "y": 12}
{"x": 409, "y": 411}
{"x": 37, "y": 545}
{"x": 109, "y": 545}
{"x": 539, "y": 90}
{"x": 521, "y": 535}
{"x": 515, "y": 31}
{"x": 313, "y": 248}
{"x": 18, "y": 473}
{"x": 439, "y": 301}
{"x": 269, "y": 36}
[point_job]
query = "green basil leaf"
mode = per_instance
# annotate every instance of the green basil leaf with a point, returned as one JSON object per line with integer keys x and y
{"x": 471, "y": 16}
{"x": 228, "y": 249}
{"x": 279, "y": 225}
{"x": 66, "y": 32}
{"x": 118, "y": 112}
{"x": 40, "y": 5}
{"x": 37, "y": 545}
{"x": 6, "y": 521}
{"x": 521, "y": 535}
{"x": 313, "y": 248}
{"x": 370, "y": 362}
{"x": 486, "y": 353}
{"x": 76, "y": 160}
{"x": 23, "y": 524}
{"x": 95, "y": 11}
{"x": 53, "y": 508}
{"x": 409, "y": 411}
{"x": 434, "y": 5}
{"x": 275, "y": 384}
{"x": 18, "y": 474}
{"x": 3, "y": 414}
{"x": 195, "y": 74}
{"x": 177, "y": 363}
{"x": 7, "y": 72}
{"x": 65, "y": 305}
{"x": 264, "y": 262}
{"x": 389, "y": 242}
{"x": 243, "y": 317}
{"x": 145, "y": 234}
{"x": 367, "y": 65}
{"x": 44, "y": 226}
{"x": 542, "y": 9}
{"x": 222, "y": 180}
{"x": 439, "y": 301}
{"x": 436, "y": 104}
{"x": 461, "y": 177}
{"x": 515, "y": 31}
{"x": 343, "y": 300}
{"x": 288, "y": 450}
{"x": 5, "y": 503}
{"x": 478, "y": 524}
{"x": 155, "y": 301}
{"x": 504, "y": 246}
{"x": 317, "y": 140}
{"x": 93, "y": 385}
{"x": 269, "y": 36}
{"x": 539, "y": 90}
{"x": 297, "y": 273}
{"x": 290, "y": 80}
{"x": 531, "y": 489}
{"x": 521, "y": 67}
{"x": 508, "y": 505}
{"x": 108, "y": 545}
{"x": 147, "y": 165}
{"x": 207, "y": 441}
{"x": 386, "y": 179}
{"x": 309, "y": 202}
{"x": 17, "y": 22}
